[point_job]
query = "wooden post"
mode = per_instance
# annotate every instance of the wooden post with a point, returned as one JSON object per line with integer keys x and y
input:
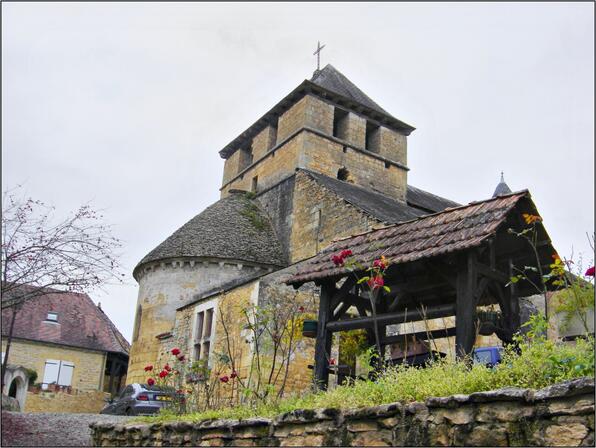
{"x": 465, "y": 308}
{"x": 513, "y": 303}
{"x": 323, "y": 342}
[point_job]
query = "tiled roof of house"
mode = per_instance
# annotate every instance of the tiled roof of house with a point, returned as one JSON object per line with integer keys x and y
{"x": 80, "y": 322}
{"x": 381, "y": 206}
{"x": 234, "y": 227}
{"x": 452, "y": 230}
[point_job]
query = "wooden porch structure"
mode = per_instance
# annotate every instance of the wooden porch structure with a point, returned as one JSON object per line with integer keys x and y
{"x": 445, "y": 264}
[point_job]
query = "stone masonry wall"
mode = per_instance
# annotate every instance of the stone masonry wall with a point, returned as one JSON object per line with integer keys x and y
{"x": 559, "y": 415}
{"x": 327, "y": 156}
{"x": 312, "y": 231}
{"x": 74, "y": 401}
{"x": 162, "y": 290}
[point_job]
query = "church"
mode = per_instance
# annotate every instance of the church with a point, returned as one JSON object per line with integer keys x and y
{"x": 325, "y": 163}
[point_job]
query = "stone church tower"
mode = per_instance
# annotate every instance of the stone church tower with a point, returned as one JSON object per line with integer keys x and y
{"x": 324, "y": 163}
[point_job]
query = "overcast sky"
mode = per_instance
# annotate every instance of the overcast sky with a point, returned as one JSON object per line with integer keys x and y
{"x": 127, "y": 105}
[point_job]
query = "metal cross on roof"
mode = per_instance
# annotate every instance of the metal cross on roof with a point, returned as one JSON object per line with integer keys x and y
{"x": 318, "y": 53}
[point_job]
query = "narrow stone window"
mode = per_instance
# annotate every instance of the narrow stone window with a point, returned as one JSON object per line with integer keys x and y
{"x": 340, "y": 123}
{"x": 204, "y": 331}
{"x": 255, "y": 181}
{"x": 135, "y": 333}
{"x": 245, "y": 158}
{"x": 273, "y": 135}
{"x": 373, "y": 134}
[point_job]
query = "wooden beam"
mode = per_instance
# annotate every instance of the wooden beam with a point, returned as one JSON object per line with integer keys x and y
{"x": 323, "y": 341}
{"x": 420, "y": 335}
{"x": 342, "y": 291}
{"x": 392, "y": 318}
{"x": 492, "y": 273}
{"x": 465, "y": 315}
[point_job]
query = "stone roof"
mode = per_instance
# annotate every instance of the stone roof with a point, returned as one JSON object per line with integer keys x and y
{"x": 80, "y": 322}
{"x": 382, "y": 207}
{"x": 430, "y": 202}
{"x": 234, "y": 227}
{"x": 449, "y": 231}
{"x": 332, "y": 79}
{"x": 502, "y": 188}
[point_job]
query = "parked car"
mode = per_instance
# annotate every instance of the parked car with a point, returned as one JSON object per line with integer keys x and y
{"x": 489, "y": 356}
{"x": 138, "y": 399}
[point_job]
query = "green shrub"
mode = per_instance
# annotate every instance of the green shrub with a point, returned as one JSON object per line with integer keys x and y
{"x": 537, "y": 363}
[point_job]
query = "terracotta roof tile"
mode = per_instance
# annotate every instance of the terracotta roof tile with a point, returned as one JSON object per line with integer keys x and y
{"x": 451, "y": 230}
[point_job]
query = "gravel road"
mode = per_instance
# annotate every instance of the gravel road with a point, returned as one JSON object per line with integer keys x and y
{"x": 28, "y": 429}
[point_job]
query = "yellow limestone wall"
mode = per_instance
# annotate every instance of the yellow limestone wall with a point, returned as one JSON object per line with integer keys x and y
{"x": 86, "y": 383}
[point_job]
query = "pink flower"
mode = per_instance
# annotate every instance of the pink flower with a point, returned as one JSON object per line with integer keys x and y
{"x": 181, "y": 358}
{"x": 224, "y": 379}
{"x": 163, "y": 373}
{"x": 233, "y": 374}
{"x": 345, "y": 253}
{"x": 167, "y": 368}
{"x": 590, "y": 272}
{"x": 332, "y": 362}
{"x": 379, "y": 264}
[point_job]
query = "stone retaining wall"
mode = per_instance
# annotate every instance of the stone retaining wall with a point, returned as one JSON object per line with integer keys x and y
{"x": 559, "y": 415}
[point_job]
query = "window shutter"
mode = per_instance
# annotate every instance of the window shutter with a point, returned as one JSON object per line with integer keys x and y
{"x": 50, "y": 373}
{"x": 66, "y": 370}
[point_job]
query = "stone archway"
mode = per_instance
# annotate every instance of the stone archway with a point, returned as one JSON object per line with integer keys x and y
{"x": 16, "y": 384}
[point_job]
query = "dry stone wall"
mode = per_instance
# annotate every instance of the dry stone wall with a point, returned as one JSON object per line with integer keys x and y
{"x": 559, "y": 415}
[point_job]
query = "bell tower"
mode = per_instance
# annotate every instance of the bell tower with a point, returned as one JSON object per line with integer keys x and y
{"x": 326, "y": 125}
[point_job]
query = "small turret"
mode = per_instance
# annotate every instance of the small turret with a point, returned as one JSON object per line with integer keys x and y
{"x": 502, "y": 188}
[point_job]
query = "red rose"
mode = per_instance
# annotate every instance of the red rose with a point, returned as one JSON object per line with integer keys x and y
{"x": 150, "y": 381}
{"x": 224, "y": 379}
{"x": 376, "y": 282}
{"x": 301, "y": 309}
{"x": 332, "y": 362}
{"x": 175, "y": 351}
{"x": 590, "y": 272}
{"x": 148, "y": 368}
{"x": 345, "y": 253}
{"x": 181, "y": 358}
{"x": 167, "y": 367}
{"x": 337, "y": 260}
{"x": 163, "y": 373}
{"x": 379, "y": 264}
{"x": 233, "y": 374}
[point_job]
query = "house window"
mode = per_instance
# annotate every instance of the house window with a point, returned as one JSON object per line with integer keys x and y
{"x": 204, "y": 330}
{"x": 52, "y": 317}
{"x": 58, "y": 372}
{"x": 340, "y": 123}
